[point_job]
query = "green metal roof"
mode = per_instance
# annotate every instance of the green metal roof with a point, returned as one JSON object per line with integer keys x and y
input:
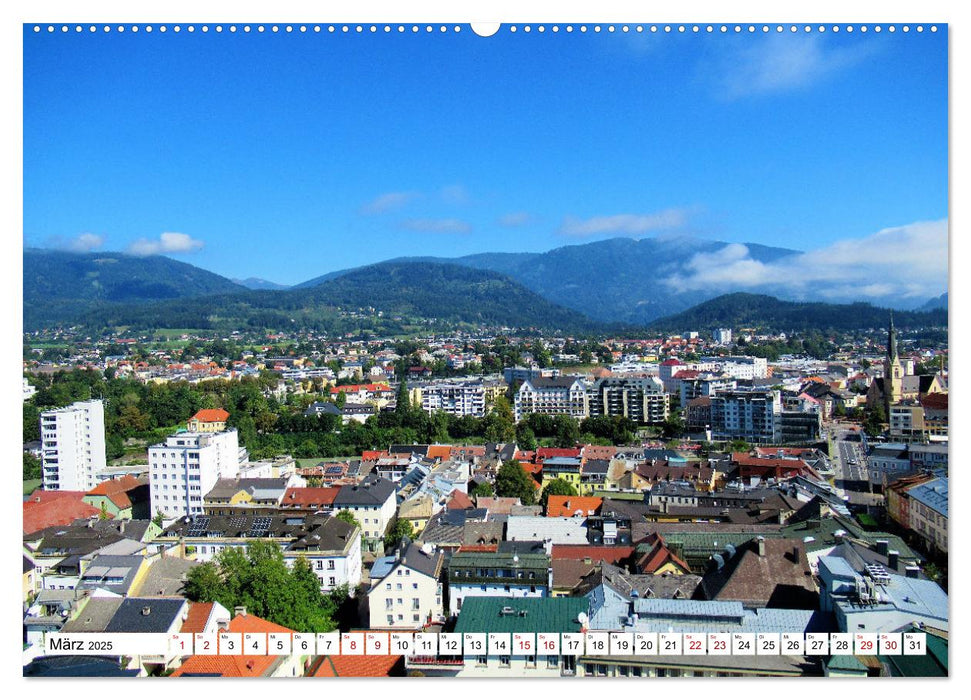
{"x": 481, "y": 614}
{"x": 931, "y": 664}
{"x": 498, "y": 560}
{"x": 845, "y": 662}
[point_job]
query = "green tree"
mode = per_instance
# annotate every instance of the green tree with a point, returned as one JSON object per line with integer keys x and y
{"x": 567, "y": 431}
{"x": 512, "y": 481}
{"x": 32, "y": 468}
{"x": 398, "y": 531}
{"x": 876, "y": 418}
{"x": 673, "y": 425}
{"x": 402, "y": 400}
{"x": 525, "y": 437}
{"x": 482, "y": 489}
{"x": 348, "y": 517}
{"x": 204, "y": 584}
{"x": 556, "y": 487}
{"x": 341, "y": 399}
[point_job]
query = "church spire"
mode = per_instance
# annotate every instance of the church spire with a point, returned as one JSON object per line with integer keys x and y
{"x": 892, "y": 340}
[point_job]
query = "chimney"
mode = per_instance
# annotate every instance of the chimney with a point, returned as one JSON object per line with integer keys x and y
{"x": 760, "y": 544}
{"x": 913, "y": 572}
{"x": 239, "y": 610}
{"x": 882, "y": 547}
{"x": 893, "y": 559}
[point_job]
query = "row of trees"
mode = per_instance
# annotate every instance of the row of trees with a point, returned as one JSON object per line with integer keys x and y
{"x": 268, "y": 427}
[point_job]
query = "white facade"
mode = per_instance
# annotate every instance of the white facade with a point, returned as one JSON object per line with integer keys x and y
{"x": 29, "y": 390}
{"x": 186, "y": 466}
{"x": 723, "y": 336}
{"x": 405, "y": 599}
{"x": 73, "y": 446}
{"x": 332, "y": 568}
{"x": 458, "y": 399}
{"x": 552, "y": 396}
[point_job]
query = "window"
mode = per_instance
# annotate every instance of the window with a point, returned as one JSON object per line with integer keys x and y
{"x": 330, "y": 564}
{"x": 504, "y": 661}
{"x": 388, "y": 602}
{"x": 318, "y": 565}
{"x": 481, "y": 660}
{"x": 552, "y": 661}
{"x": 332, "y": 581}
{"x": 416, "y": 604}
{"x": 397, "y": 586}
{"x": 416, "y": 618}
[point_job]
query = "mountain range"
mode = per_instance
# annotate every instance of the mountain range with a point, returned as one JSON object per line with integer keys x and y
{"x": 615, "y": 280}
{"x": 603, "y": 286}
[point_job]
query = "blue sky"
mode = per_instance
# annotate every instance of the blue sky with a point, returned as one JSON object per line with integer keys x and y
{"x": 285, "y": 156}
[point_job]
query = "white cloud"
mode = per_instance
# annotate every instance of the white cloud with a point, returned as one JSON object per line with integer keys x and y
{"x": 455, "y": 194}
{"x": 388, "y": 202}
{"x": 908, "y": 261}
{"x": 437, "y": 225}
{"x": 780, "y": 62}
{"x": 623, "y": 223}
{"x": 85, "y": 242}
{"x": 166, "y": 243}
{"x": 516, "y": 218}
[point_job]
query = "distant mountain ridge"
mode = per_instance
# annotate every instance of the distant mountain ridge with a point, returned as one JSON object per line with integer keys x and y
{"x": 742, "y": 310}
{"x": 401, "y": 292}
{"x": 618, "y": 280}
{"x": 259, "y": 283}
{"x": 61, "y": 284}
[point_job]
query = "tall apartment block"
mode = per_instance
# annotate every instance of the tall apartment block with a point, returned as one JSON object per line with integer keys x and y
{"x": 73, "y": 446}
{"x": 186, "y": 466}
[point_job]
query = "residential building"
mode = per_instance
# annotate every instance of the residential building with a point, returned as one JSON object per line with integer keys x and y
{"x": 523, "y": 374}
{"x": 552, "y": 396}
{"x": 373, "y": 503}
{"x": 187, "y": 465}
{"x": 877, "y": 600}
{"x": 642, "y": 399}
{"x": 208, "y": 420}
{"x": 497, "y": 574}
{"x": 456, "y": 398}
{"x": 124, "y": 497}
{"x": 73, "y": 444}
{"x": 406, "y": 589}
{"x": 928, "y": 513}
{"x": 331, "y": 546}
{"x": 483, "y": 615}
{"x": 749, "y": 415}
{"x": 241, "y": 495}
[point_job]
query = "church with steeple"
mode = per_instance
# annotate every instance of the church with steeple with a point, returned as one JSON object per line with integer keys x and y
{"x": 897, "y": 385}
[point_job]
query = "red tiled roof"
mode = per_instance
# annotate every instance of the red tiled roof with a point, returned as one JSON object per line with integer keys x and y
{"x": 599, "y": 451}
{"x": 307, "y": 496}
{"x": 370, "y": 455}
{"x": 938, "y": 401}
{"x": 116, "y": 490}
{"x": 659, "y": 556}
{"x": 612, "y": 555}
{"x": 479, "y": 548}
{"x": 459, "y": 501}
{"x": 343, "y": 666}
{"x": 234, "y": 666}
{"x": 568, "y": 506}
{"x": 547, "y": 452}
{"x": 197, "y": 617}
{"x": 42, "y": 496}
{"x": 672, "y": 362}
{"x": 439, "y": 451}
{"x": 59, "y": 511}
{"x": 211, "y": 415}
